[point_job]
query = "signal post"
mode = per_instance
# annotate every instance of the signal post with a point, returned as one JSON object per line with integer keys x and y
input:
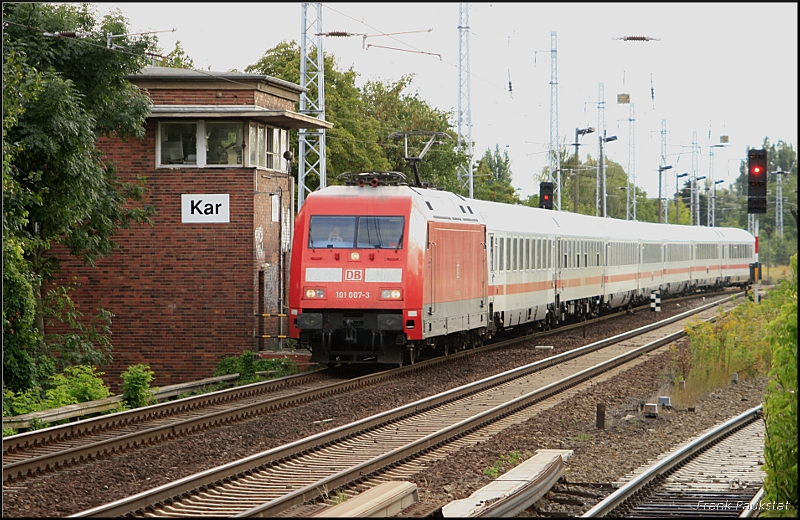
{"x": 757, "y": 199}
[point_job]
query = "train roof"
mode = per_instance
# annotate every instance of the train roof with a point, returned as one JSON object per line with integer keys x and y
{"x": 444, "y": 205}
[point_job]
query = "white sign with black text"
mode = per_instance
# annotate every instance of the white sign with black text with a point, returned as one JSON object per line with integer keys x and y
{"x": 205, "y": 208}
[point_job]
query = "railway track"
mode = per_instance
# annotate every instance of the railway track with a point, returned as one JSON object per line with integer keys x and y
{"x": 718, "y": 474}
{"x": 391, "y": 444}
{"x": 64, "y": 446}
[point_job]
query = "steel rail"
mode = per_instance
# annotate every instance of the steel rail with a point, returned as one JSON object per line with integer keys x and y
{"x": 622, "y": 494}
{"x": 161, "y": 433}
{"x": 255, "y": 463}
{"x": 146, "y": 413}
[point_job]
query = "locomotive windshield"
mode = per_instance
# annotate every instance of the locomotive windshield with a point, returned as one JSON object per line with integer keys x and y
{"x": 346, "y": 232}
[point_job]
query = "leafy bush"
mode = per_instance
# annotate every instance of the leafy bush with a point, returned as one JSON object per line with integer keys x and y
{"x": 279, "y": 367}
{"x": 78, "y": 384}
{"x": 82, "y": 383}
{"x": 780, "y": 405}
{"x": 136, "y": 391}
{"x": 247, "y": 364}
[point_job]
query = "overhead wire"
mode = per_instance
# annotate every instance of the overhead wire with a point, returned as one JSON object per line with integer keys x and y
{"x": 442, "y": 60}
{"x": 67, "y": 34}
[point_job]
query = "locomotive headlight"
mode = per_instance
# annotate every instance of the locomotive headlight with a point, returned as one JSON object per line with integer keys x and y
{"x": 390, "y": 294}
{"x": 315, "y": 293}
{"x": 354, "y": 255}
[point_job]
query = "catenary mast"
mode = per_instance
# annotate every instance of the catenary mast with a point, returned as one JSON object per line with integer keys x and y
{"x": 312, "y": 159}
{"x": 555, "y": 155}
{"x": 464, "y": 110}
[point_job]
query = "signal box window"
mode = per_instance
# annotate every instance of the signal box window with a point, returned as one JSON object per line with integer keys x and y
{"x": 178, "y": 143}
{"x": 341, "y": 232}
{"x": 267, "y": 145}
{"x": 224, "y": 143}
{"x": 200, "y": 143}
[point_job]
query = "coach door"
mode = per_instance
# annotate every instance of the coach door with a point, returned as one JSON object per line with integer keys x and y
{"x": 559, "y": 266}
{"x": 492, "y": 264}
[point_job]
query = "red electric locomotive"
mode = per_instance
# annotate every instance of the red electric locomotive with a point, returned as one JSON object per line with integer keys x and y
{"x": 367, "y": 264}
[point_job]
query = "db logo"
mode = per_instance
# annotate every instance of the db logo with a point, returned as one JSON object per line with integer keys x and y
{"x": 353, "y": 275}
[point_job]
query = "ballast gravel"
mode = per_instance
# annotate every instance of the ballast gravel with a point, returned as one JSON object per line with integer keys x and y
{"x": 600, "y": 456}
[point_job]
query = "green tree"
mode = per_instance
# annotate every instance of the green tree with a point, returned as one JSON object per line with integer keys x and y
{"x": 20, "y": 337}
{"x": 487, "y": 186}
{"x": 364, "y": 118}
{"x": 499, "y": 164}
{"x": 64, "y": 93}
{"x": 582, "y": 173}
{"x": 178, "y": 59}
{"x": 352, "y": 143}
{"x": 395, "y": 111}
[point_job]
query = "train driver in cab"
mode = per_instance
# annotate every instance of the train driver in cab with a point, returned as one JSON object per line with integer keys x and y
{"x": 335, "y": 235}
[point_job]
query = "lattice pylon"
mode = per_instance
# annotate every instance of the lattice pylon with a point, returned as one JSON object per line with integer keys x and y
{"x": 312, "y": 154}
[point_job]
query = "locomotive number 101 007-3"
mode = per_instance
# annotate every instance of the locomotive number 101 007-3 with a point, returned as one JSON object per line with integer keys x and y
{"x": 352, "y": 294}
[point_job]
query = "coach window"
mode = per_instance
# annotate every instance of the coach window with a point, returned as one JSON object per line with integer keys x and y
{"x": 508, "y": 254}
{"x": 514, "y": 255}
{"x": 523, "y": 254}
{"x": 534, "y": 253}
{"x": 576, "y": 251}
{"x": 527, "y": 253}
{"x": 500, "y": 242}
{"x": 541, "y": 250}
{"x": 543, "y": 259}
{"x": 573, "y": 249}
{"x": 568, "y": 254}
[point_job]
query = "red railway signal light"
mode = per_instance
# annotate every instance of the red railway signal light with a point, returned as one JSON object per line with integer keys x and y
{"x": 546, "y": 195}
{"x": 757, "y": 181}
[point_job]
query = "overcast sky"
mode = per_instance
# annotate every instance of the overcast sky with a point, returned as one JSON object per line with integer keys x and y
{"x": 716, "y": 69}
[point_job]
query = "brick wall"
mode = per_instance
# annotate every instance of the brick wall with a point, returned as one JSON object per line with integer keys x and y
{"x": 219, "y": 97}
{"x": 184, "y": 295}
{"x": 272, "y": 188}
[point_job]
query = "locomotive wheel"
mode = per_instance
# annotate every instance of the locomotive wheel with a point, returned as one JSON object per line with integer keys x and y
{"x": 409, "y": 356}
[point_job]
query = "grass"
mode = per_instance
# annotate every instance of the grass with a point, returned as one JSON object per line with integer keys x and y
{"x": 512, "y": 459}
{"x": 735, "y": 343}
